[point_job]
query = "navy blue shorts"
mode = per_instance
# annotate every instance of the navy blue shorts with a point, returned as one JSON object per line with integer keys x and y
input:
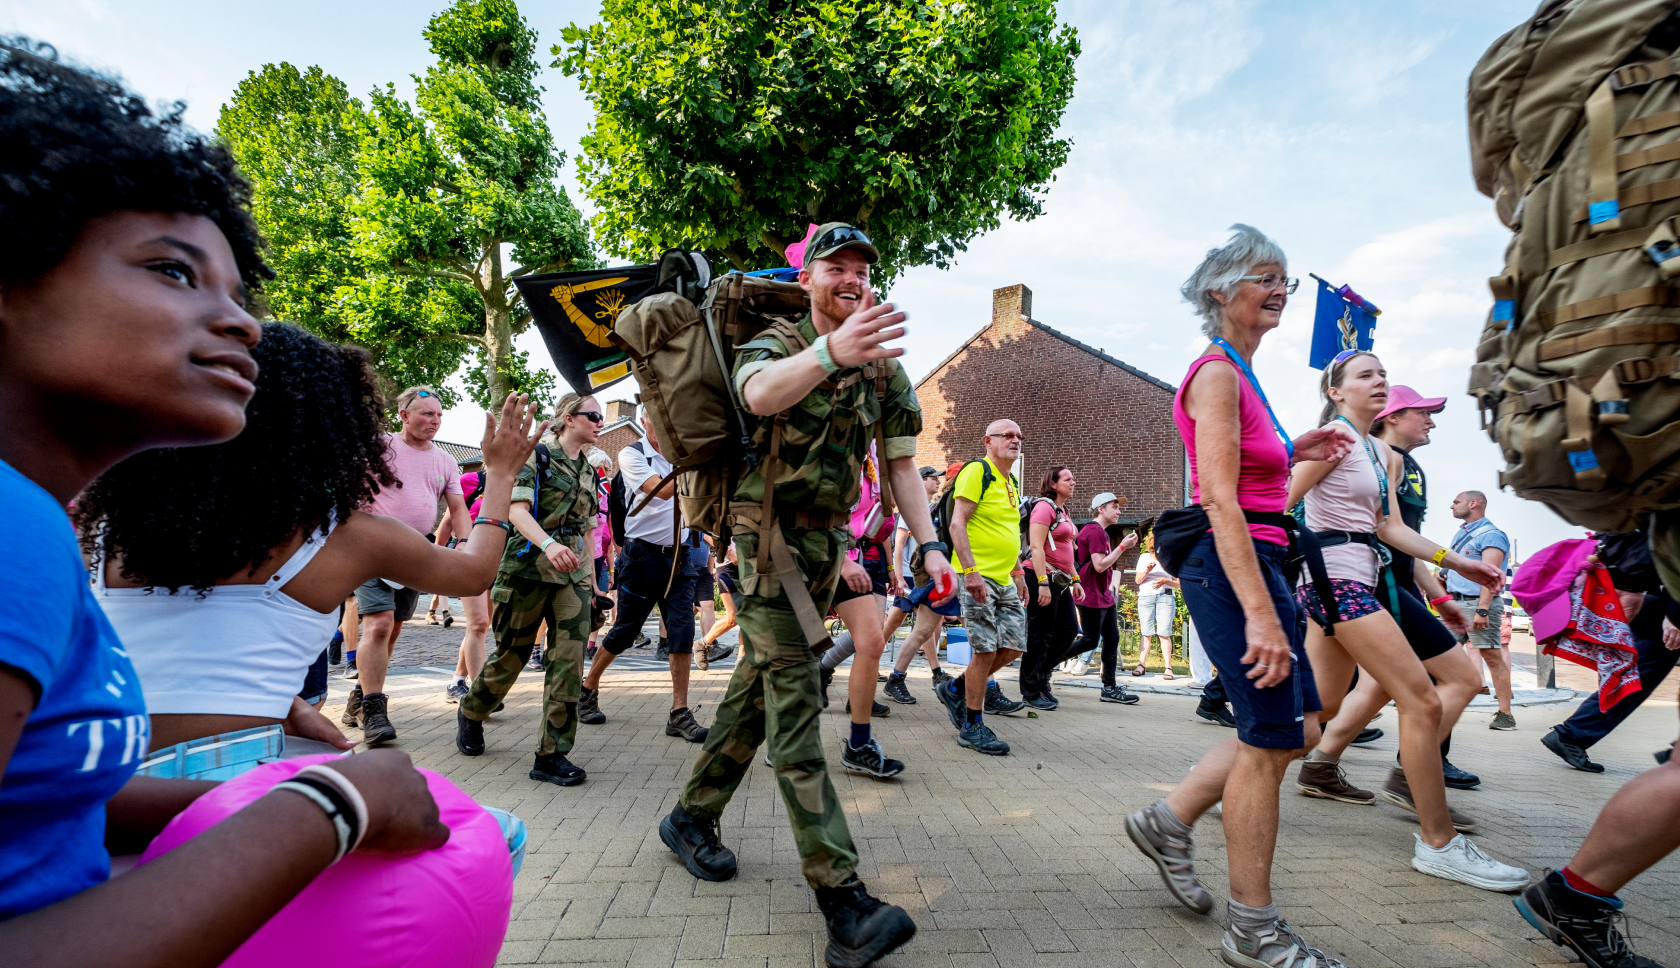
{"x": 1266, "y": 718}
{"x": 315, "y": 680}
{"x": 603, "y": 576}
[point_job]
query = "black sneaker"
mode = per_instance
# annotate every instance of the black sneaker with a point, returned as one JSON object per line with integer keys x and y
{"x": 1580, "y": 922}
{"x": 1037, "y": 702}
{"x": 980, "y": 738}
{"x": 664, "y": 651}
{"x": 555, "y": 768}
{"x": 861, "y": 929}
{"x": 695, "y": 841}
{"x": 469, "y": 734}
{"x": 827, "y": 677}
{"x": 1459, "y": 779}
{"x": 940, "y": 676}
{"x": 1367, "y": 736}
{"x": 1119, "y": 694}
{"x": 1570, "y": 753}
{"x": 955, "y": 706}
{"x": 997, "y": 702}
{"x": 335, "y": 652}
{"x": 376, "y": 724}
{"x": 352, "y": 707}
{"x": 448, "y": 618}
{"x": 869, "y": 759}
{"x": 1215, "y": 714}
{"x": 681, "y": 723}
{"x": 898, "y": 691}
{"x": 876, "y": 710}
{"x": 589, "y": 708}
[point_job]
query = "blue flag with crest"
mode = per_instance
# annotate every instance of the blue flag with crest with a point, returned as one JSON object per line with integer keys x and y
{"x": 1344, "y": 321}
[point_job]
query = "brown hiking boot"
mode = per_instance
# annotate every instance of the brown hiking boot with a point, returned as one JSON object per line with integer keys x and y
{"x": 376, "y": 722}
{"x": 1398, "y": 792}
{"x": 1326, "y": 781}
{"x": 352, "y": 707}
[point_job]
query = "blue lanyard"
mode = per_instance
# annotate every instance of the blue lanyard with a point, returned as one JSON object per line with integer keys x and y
{"x": 1242, "y": 364}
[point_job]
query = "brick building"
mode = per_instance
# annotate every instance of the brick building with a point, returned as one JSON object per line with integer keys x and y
{"x": 620, "y": 431}
{"x": 1109, "y": 421}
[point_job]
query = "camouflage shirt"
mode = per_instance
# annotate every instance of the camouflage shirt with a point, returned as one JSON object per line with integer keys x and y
{"x": 827, "y": 433}
{"x": 565, "y": 507}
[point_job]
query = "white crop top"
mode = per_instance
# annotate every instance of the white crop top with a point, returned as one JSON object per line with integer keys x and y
{"x": 236, "y": 650}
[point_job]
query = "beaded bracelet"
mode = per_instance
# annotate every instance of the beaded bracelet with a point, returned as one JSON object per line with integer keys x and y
{"x": 498, "y": 522}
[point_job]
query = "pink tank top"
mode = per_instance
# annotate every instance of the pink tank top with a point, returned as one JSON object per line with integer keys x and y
{"x": 1263, "y": 478}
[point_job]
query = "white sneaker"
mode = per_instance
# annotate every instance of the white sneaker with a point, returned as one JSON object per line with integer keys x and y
{"x": 1462, "y": 860}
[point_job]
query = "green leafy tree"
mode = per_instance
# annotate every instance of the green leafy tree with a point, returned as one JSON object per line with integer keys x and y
{"x": 728, "y": 125}
{"x": 294, "y": 134}
{"x": 466, "y": 172}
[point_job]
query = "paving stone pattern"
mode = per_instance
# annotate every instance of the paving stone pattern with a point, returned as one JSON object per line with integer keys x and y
{"x": 1014, "y": 861}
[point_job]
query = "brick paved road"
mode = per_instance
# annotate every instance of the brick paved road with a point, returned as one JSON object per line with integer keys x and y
{"x": 1008, "y": 862}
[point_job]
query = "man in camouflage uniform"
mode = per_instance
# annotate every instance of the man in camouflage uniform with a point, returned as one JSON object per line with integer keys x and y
{"x": 818, "y": 409}
{"x": 546, "y": 575}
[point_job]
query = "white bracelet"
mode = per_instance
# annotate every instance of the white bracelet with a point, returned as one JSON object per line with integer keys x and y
{"x": 341, "y": 825}
{"x": 545, "y": 544}
{"x": 824, "y": 358}
{"x": 342, "y": 784}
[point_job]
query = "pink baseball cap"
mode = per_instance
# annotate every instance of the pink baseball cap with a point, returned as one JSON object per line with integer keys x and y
{"x": 1404, "y": 398}
{"x": 1541, "y": 584}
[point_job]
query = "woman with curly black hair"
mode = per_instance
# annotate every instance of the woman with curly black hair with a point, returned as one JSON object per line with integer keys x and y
{"x": 127, "y": 257}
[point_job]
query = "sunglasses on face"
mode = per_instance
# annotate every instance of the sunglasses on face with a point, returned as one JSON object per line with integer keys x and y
{"x": 593, "y": 416}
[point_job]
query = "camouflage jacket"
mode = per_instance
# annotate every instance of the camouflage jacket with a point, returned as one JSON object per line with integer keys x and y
{"x": 827, "y": 433}
{"x": 565, "y": 507}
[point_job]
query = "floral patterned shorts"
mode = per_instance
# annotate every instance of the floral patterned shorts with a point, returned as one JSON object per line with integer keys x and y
{"x": 1353, "y": 600}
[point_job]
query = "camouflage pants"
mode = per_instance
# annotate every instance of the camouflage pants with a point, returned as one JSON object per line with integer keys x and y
{"x": 519, "y": 606}
{"x": 775, "y": 695}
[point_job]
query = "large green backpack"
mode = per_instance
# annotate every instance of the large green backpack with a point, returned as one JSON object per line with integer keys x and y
{"x": 1575, "y": 134}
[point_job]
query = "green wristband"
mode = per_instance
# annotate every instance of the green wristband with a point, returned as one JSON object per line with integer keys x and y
{"x": 824, "y": 359}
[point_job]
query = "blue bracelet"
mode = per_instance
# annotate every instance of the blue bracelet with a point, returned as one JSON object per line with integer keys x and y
{"x": 825, "y": 360}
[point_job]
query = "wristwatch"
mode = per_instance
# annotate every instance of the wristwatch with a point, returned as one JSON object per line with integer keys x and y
{"x": 1482, "y": 612}
{"x": 938, "y": 546}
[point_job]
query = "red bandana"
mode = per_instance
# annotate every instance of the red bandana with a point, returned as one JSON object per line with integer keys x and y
{"x": 1598, "y": 637}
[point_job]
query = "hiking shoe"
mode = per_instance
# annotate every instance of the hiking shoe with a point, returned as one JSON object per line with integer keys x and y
{"x": 1367, "y": 736}
{"x": 860, "y": 928}
{"x": 641, "y": 641}
{"x": 980, "y": 738}
{"x": 956, "y": 706}
{"x": 940, "y": 676}
{"x": 717, "y": 652}
{"x": 827, "y": 676}
{"x": 1324, "y": 780}
{"x": 876, "y": 710}
{"x": 589, "y": 708}
{"x": 1279, "y": 946}
{"x": 1459, "y": 779}
{"x": 1173, "y": 856}
{"x": 898, "y": 691}
{"x": 1039, "y": 702}
{"x": 681, "y": 723}
{"x": 352, "y": 707}
{"x": 469, "y": 734}
{"x": 1461, "y": 860}
{"x": 1215, "y": 714}
{"x": 1119, "y": 694}
{"x": 1503, "y": 721}
{"x": 448, "y": 618}
{"x": 350, "y": 670}
{"x": 664, "y": 651}
{"x": 1570, "y": 753}
{"x": 1580, "y": 922}
{"x": 376, "y": 724}
{"x": 695, "y": 841}
{"x": 455, "y": 691}
{"x": 1398, "y": 792}
{"x": 997, "y": 702}
{"x": 535, "y": 662}
{"x": 555, "y": 768}
{"x": 431, "y": 617}
{"x": 869, "y": 759}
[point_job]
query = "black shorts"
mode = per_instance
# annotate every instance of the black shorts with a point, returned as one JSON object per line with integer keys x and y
{"x": 877, "y": 568}
{"x": 1427, "y": 635}
{"x": 704, "y": 586}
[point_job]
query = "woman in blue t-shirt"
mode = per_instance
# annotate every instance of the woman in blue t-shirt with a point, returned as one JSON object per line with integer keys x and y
{"x": 128, "y": 260}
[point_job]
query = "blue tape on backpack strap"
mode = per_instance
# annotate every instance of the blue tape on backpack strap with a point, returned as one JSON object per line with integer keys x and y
{"x": 1582, "y": 460}
{"x": 1603, "y": 211}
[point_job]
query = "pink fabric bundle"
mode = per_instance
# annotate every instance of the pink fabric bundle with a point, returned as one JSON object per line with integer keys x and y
{"x": 796, "y": 251}
{"x": 1578, "y": 616}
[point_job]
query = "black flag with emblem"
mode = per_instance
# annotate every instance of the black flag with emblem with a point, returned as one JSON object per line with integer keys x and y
{"x": 575, "y": 311}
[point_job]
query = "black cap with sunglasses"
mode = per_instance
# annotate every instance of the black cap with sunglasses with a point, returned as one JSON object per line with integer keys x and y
{"x": 831, "y": 237}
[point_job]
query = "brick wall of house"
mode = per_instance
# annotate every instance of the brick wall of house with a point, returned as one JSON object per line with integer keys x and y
{"x": 1113, "y": 427}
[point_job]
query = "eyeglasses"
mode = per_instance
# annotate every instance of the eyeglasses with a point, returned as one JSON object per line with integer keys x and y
{"x": 839, "y": 235}
{"x": 591, "y": 415}
{"x": 1271, "y": 281}
{"x": 1008, "y": 436}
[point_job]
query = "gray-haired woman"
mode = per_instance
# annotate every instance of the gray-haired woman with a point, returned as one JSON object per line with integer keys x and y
{"x": 1234, "y": 588}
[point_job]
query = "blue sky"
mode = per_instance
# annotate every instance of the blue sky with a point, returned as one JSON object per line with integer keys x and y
{"x": 1335, "y": 127}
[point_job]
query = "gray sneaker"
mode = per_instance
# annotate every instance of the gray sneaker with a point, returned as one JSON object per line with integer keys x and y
{"x": 1174, "y": 857}
{"x": 980, "y": 738}
{"x": 1503, "y": 721}
{"x": 1279, "y": 946}
{"x": 455, "y": 691}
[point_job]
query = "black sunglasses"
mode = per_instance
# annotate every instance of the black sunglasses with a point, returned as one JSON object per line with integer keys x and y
{"x": 594, "y": 415}
{"x": 839, "y": 235}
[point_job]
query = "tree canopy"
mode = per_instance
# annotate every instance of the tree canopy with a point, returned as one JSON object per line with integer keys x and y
{"x": 729, "y": 125}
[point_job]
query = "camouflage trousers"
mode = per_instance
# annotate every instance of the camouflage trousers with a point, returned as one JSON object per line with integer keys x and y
{"x": 775, "y": 695}
{"x": 519, "y": 606}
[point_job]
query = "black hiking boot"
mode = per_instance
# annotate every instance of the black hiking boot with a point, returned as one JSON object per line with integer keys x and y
{"x": 469, "y": 734}
{"x": 1580, "y": 922}
{"x": 876, "y": 710}
{"x": 827, "y": 677}
{"x": 898, "y": 691}
{"x": 997, "y": 702}
{"x": 869, "y": 759}
{"x": 695, "y": 841}
{"x": 555, "y": 768}
{"x": 1215, "y": 714}
{"x": 861, "y": 929}
{"x": 376, "y": 723}
{"x": 681, "y": 723}
{"x": 589, "y": 708}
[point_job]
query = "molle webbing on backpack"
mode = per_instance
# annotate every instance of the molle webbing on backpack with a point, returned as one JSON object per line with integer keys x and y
{"x": 1627, "y": 334}
{"x": 1636, "y": 195}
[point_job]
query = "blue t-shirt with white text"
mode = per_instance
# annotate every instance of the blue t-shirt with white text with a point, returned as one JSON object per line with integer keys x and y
{"x": 88, "y": 731}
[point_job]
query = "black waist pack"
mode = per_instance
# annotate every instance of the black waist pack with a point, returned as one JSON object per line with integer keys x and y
{"x": 1178, "y": 530}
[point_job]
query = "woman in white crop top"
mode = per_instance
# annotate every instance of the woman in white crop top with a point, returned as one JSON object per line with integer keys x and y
{"x": 1345, "y": 505}
{"x": 222, "y": 567}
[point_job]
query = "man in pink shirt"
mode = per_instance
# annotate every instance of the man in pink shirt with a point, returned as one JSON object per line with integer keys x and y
{"x": 424, "y": 475}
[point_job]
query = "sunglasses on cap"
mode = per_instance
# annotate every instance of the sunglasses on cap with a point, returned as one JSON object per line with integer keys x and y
{"x": 837, "y": 236}
{"x": 422, "y": 393}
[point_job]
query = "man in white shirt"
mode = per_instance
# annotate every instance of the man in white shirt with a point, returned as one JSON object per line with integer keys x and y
{"x": 650, "y": 572}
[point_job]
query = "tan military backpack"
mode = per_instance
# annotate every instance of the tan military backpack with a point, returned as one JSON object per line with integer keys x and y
{"x": 1575, "y": 134}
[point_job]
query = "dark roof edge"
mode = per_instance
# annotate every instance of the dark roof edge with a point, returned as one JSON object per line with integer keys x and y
{"x": 1101, "y": 355}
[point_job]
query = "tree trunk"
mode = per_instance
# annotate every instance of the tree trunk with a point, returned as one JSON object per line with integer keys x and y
{"x": 498, "y": 321}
